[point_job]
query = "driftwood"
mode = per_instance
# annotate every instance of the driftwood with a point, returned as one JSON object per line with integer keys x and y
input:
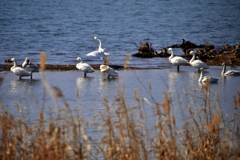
{"x": 205, "y": 52}
{"x": 145, "y": 50}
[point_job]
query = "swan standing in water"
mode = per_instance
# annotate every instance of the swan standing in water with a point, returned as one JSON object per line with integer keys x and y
{"x": 207, "y": 78}
{"x": 84, "y": 67}
{"x": 21, "y": 72}
{"x": 176, "y": 60}
{"x": 229, "y": 72}
{"x": 110, "y": 73}
{"x": 105, "y": 69}
{"x": 197, "y": 63}
{"x": 100, "y": 52}
{"x": 30, "y": 66}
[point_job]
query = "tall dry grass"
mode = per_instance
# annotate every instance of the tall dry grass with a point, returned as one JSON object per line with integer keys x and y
{"x": 122, "y": 131}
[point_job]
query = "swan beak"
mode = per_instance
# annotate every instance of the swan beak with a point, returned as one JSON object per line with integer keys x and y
{"x": 8, "y": 60}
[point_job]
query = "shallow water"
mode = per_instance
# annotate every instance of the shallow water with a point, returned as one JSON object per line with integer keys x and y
{"x": 64, "y": 29}
{"x": 87, "y": 94}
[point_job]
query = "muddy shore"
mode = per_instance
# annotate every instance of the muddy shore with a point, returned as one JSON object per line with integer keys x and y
{"x": 71, "y": 67}
{"x": 230, "y": 58}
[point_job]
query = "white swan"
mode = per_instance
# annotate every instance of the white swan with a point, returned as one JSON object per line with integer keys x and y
{"x": 104, "y": 68}
{"x": 21, "y": 72}
{"x": 100, "y": 52}
{"x": 110, "y": 73}
{"x": 30, "y": 66}
{"x": 229, "y": 72}
{"x": 197, "y": 63}
{"x": 176, "y": 60}
{"x": 84, "y": 67}
{"x": 205, "y": 79}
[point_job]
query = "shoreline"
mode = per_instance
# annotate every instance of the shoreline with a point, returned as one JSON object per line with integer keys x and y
{"x": 214, "y": 60}
{"x": 65, "y": 67}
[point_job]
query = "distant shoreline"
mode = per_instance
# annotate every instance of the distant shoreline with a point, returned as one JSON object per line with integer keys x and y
{"x": 231, "y": 59}
{"x": 65, "y": 67}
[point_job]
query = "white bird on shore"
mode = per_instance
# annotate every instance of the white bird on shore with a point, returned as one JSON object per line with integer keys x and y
{"x": 21, "y": 72}
{"x": 84, "y": 67}
{"x": 99, "y": 52}
{"x": 229, "y": 72}
{"x": 176, "y": 60}
{"x": 30, "y": 66}
{"x": 205, "y": 79}
{"x": 197, "y": 63}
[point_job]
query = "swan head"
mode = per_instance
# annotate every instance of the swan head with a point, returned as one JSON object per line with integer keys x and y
{"x": 95, "y": 37}
{"x": 104, "y": 68}
{"x": 78, "y": 58}
{"x": 169, "y": 49}
{"x": 191, "y": 52}
{"x": 27, "y": 60}
{"x": 12, "y": 59}
{"x": 201, "y": 69}
{"x": 223, "y": 64}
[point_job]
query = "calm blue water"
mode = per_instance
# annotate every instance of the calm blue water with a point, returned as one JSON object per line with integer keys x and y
{"x": 64, "y": 29}
{"x": 86, "y": 95}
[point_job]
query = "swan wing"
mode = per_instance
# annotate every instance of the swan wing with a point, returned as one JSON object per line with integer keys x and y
{"x": 32, "y": 67}
{"x": 178, "y": 61}
{"x": 24, "y": 64}
{"x": 199, "y": 64}
{"x": 211, "y": 79}
{"x": 98, "y": 53}
{"x": 20, "y": 72}
{"x": 94, "y": 53}
{"x": 232, "y": 73}
{"x": 112, "y": 72}
{"x": 84, "y": 67}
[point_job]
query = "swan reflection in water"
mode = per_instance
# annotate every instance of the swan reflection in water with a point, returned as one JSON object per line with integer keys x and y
{"x": 84, "y": 86}
{"x": 84, "y": 83}
{"x": 23, "y": 85}
{"x": 176, "y": 79}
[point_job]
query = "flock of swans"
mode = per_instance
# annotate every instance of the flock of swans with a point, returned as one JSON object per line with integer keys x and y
{"x": 200, "y": 66}
{"x": 28, "y": 68}
{"x": 104, "y": 68}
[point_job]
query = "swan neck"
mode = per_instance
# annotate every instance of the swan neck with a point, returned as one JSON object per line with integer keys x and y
{"x": 172, "y": 54}
{"x": 193, "y": 57}
{"x": 100, "y": 43}
{"x": 200, "y": 78}
{"x": 224, "y": 69}
{"x": 14, "y": 63}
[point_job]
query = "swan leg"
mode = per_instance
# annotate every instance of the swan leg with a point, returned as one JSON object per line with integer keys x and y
{"x": 85, "y": 74}
{"x": 177, "y": 68}
{"x": 20, "y": 77}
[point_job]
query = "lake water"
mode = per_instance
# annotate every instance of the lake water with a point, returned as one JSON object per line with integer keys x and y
{"x": 27, "y": 97}
{"x": 64, "y": 29}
